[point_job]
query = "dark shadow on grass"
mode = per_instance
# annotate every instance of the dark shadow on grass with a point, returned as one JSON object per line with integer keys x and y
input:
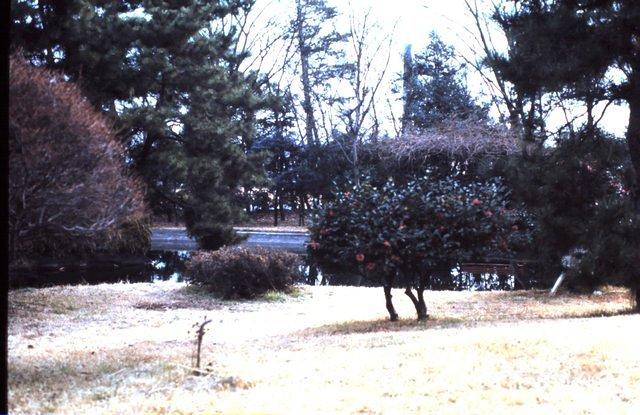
{"x": 596, "y": 314}
{"x": 384, "y": 325}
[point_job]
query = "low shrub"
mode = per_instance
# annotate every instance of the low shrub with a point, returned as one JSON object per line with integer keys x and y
{"x": 243, "y": 273}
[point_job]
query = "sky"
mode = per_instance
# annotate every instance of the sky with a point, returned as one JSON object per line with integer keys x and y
{"x": 411, "y": 21}
{"x": 415, "y": 19}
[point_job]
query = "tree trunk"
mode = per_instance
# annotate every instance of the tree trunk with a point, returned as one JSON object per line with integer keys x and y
{"x": 422, "y": 306}
{"x": 414, "y": 300}
{"x": 633, "y": 139}
{"x": 418, "y": 303}
{"x": 303, "y": 49}
{"x": 313, "y": 275}
{"x": 301, "y": 212}
{"x": 275, "y": 210}
{"x": 422, "y": 312}
{"x": 393, "y": 316}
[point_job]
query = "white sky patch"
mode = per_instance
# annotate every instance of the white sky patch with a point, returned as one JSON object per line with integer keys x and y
{"x": 415, "y": 19}
{"x": 410, "y": 22}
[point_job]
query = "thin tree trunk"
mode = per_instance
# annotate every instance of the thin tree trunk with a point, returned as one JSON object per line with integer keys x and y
{"x": 301, "y": 212}
{"x": 356, "y": 172}
{"x": 275, "y": 210}
{"x": 303, "y": 48}
{"x": 416, "y": 303}
{"x": 422, "y": 315}
{"x": 633, "y": 139}
{"x": 393, "y": 316}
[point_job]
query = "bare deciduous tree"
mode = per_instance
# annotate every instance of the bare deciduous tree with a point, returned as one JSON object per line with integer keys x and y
{"x": 365, "y": 76}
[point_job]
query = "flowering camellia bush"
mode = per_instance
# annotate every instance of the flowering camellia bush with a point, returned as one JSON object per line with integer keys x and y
{"x": 407, "y": 233}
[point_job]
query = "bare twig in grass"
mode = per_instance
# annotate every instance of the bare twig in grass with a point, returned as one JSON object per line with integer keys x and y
{"x": 198, "y": 344}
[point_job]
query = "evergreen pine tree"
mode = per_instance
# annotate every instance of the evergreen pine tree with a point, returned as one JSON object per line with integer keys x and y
{"x": 570, "y": 45}
{"x": 166, "y": 73}
{"x": 435, "y": 86}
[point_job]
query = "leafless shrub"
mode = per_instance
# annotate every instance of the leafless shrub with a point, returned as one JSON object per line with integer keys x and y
{"x": 243, "y": 273}
{"x": 68, "y": 193}
{"x": 459, "y": 139}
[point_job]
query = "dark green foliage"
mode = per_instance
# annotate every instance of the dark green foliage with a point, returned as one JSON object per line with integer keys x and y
{"x": 580, "y": 195}
{"x": 243, "y": 273}
{"x": 416, "y": 228}
{"x": 408, "y": 233}
{"x": 568, "y": 46}
{"x": 168, "y": 78}
{"x": 216, "y": 163}
{"x": 435, "y": 87}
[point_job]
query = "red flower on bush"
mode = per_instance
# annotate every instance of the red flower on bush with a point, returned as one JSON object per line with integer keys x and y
{"x": 488, "y": 213}
{"x": 360, "y": 257}
{"x": 371, "y": 266}
{"x": 476, "y": 202}
{"x": 387, "y": 244}
{"x": 515, "y": 228}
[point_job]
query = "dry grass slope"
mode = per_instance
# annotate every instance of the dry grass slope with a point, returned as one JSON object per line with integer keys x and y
{"x": 125, "y": 348}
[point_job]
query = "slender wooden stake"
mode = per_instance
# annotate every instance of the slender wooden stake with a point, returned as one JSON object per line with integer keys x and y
{"x": 200, "y": 332}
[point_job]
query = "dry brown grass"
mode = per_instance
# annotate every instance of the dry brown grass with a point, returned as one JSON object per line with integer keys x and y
{"x": 125, "y": 348}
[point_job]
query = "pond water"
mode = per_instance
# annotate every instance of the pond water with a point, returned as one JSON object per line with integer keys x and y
{"x": 169, "y": 265}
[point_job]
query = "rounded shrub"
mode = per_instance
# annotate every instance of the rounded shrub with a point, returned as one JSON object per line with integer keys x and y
{"x": 407, "y": 233}
{"x": 423, "y": 225}
{"x": 243, "y": 273}
{"x": 69, "y": 191}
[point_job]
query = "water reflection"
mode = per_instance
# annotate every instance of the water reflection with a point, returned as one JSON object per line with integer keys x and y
{"x": 155, "y": 266}
{"x": 453, "y": 280}
{"x": 169, "y": 265}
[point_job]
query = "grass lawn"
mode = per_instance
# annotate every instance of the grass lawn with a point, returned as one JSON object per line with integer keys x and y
{"x": 126, "y": 349}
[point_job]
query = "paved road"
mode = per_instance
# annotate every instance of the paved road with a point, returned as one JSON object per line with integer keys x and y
{"x": 176, "y": 238}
